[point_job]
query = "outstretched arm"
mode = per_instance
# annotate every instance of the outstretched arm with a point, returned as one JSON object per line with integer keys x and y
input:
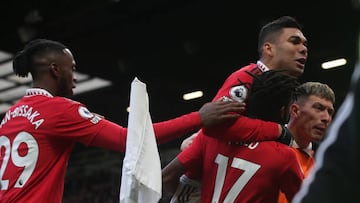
{"x": 210, "y": 114}
{"x": 245, "y": 129}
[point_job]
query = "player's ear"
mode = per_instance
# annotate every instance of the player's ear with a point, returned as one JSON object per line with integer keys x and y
{"x": 268, "y": 48}
{"x": 54, "y": 70}
{"x": 294, "y": 110}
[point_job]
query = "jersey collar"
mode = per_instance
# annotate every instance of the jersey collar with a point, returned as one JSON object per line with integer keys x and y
{"x": 37, "y": 91}
{"x": 262, "y": 66}
{"x": 308, "y": 150}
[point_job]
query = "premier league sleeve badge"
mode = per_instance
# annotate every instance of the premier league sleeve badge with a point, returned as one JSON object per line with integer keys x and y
{"x": 238, "y": 93}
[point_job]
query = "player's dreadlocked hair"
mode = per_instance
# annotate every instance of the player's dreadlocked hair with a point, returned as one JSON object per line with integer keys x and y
{"x": 26, "y": 60}
{"x": 269, "y": 93}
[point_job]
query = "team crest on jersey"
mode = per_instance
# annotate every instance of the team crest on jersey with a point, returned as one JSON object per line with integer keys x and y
{"x": 239, "y": 93}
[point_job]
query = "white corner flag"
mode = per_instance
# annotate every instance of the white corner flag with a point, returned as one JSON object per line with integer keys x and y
{"x": 141, "y": 171}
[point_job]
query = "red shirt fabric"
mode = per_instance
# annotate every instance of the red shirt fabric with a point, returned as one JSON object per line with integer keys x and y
{"x": 236, "y": 87}
{"x": 38, "y": 133}
{"x": 254, "y": 172}
{"x": 306, "y": 164}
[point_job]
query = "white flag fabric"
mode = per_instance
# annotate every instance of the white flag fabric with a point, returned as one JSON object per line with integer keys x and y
{"x": 141, "y": 171}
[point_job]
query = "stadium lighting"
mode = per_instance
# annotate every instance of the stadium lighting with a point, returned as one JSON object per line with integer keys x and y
{"x": 12, "y": 87}
{"x": 192, "y": 95}
{"x": 333, "y": 63}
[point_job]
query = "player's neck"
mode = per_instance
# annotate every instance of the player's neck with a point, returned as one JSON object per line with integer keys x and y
{"x": 46, "y": 85}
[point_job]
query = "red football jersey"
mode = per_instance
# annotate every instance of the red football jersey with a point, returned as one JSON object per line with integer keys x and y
{"x": 38, "y": 133}
{"x": 306, "y": 161}
{"x": 237, "y": 172}
{"x": 236, "y": 87}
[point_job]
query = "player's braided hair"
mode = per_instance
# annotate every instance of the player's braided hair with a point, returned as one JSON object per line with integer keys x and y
{"x": 269, "y": 93}
{"x": 25, "y": 60}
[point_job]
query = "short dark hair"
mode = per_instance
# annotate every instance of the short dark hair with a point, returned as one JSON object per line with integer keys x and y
{"x": 269, "y": 92}
{"x": 24, "y": 61}
{"x": 270, "y": 31}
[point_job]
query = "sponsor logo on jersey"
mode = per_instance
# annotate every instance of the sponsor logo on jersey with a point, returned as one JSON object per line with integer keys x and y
{"x": 238, "y": 93}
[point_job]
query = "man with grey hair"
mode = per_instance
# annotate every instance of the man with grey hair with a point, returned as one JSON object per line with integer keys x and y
{"x": 311, "y": 112}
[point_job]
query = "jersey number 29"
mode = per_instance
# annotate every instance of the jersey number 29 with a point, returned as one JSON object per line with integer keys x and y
{"x": 28, "y": 160}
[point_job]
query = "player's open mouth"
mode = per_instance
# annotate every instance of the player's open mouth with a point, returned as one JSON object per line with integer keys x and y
{"x": 301, "y": 62}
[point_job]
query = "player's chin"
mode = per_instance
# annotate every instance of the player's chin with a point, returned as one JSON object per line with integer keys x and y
{"x": 318, "y": 136}
{"x": 300, "y": 67}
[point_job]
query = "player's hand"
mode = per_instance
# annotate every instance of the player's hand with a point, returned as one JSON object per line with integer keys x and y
{"x": 218, "y": 112}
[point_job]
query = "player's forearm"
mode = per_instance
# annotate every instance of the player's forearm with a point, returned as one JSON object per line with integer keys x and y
{"x": 171, "y": 174}
{"x": 246, "y": 129}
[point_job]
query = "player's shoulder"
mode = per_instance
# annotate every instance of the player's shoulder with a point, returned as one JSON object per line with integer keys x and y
{"x": 62, "y": 101}
{"x": 248, "y": 68}
{"x": 63, "y": 106}
{"x": 284, "y": 150}
{"x": 243, "y": 75}
{"x": 278, "y": 147}
{"x": 75, "y": 110}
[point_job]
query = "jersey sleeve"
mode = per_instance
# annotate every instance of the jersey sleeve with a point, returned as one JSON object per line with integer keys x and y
{"x": 113, "y": 136}
{"x": 291, "y": 177}
{"x": 174, "y": 128}
{"x": 192, "y": 157}
{"x": 246, "y": 129}
{"x": 79, "y": 124}
{"x": 236, "y": 86}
